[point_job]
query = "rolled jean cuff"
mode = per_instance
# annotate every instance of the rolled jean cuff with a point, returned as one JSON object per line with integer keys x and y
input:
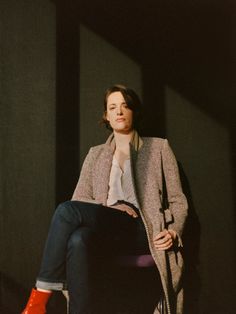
{"x": 57, "y": 286}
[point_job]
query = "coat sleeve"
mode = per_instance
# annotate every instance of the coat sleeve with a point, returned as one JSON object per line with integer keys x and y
{"x": 177, "y": 201}
{"x": 84, "y": 187}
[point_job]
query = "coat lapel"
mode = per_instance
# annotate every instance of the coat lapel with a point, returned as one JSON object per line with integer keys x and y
{"x": 102, "y": 173}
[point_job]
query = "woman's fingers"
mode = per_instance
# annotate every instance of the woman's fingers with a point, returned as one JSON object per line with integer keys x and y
{"x": 125, "y": 208}
{"x": 164, "y": 240}
{"x": 165, "y": 245}
{"x": 161, "y": 235}
{"x": 131, "y": 212}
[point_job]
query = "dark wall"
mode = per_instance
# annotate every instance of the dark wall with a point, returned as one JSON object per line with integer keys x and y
{"x": 203, "y": 145}
{"x": 28, "y": 142}
{"x": 101, "y": 65}
{"x": 180, "y": 58}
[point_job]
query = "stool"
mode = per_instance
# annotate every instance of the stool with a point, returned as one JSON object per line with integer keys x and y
{"x": 145, "y": 260}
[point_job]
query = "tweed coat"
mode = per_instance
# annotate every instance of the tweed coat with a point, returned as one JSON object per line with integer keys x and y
{"x": 147, "y": 163}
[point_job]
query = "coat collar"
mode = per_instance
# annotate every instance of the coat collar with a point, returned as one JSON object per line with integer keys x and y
{"x": 136, "y": 142}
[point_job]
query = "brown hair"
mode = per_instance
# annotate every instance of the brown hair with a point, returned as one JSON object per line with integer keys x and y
{"x": 131, "y": 98}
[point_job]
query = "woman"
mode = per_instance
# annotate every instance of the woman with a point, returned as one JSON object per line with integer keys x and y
{"x": 117, "y": 202}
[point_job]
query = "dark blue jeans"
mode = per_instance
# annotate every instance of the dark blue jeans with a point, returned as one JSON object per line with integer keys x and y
{"x": 77, "y": 230}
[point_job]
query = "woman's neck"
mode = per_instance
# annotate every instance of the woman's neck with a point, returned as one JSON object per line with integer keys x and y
{"x": 122, "y": 141}
{"x": 122, "y": 147}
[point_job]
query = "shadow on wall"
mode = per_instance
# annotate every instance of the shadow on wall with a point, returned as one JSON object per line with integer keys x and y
{"x": 191, "y": 240}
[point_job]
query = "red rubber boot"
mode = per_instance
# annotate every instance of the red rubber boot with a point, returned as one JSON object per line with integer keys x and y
{"x": 37, "y": 302}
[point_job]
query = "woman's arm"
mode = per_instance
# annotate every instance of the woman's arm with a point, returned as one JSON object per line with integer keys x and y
{"x": 177, "y": 201}
{"x": 84, "y": 187}
{"x": 178, "y": 205}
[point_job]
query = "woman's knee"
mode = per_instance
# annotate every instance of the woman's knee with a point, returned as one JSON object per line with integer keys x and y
{"x": 64, "y": 206}
{"x": 80, "y": 238}
{"x": 67, "y": 211}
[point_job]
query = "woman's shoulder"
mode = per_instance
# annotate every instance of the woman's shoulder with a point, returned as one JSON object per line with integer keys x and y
{"x": 154, "y": 140}
{"x": 156, "y": 143}
{"x": 96, "y": 149}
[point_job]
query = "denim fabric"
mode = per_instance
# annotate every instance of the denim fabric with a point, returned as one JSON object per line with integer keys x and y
{"x": 77, "y": 229}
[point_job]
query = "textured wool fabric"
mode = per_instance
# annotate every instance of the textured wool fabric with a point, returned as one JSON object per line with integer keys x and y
{"x": 146, "y": 165}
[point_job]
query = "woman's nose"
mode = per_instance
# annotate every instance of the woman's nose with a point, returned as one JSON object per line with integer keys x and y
{"x": 119, "y": 111}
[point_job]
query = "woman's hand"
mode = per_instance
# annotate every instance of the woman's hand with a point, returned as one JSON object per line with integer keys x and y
{"x": 165, "y": 239}
{"x": 125, "y": 208}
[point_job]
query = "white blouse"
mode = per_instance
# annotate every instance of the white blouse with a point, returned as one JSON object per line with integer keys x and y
{"x": 120, "y": 184}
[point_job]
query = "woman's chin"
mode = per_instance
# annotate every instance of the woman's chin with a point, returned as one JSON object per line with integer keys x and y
{"x": 123, "y": 130}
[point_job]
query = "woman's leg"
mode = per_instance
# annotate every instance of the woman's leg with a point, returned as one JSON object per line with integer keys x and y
{"x": 107, "y": 223}
{"x": 66, "y": 219}
{"x": 110, "y": 230}
{"x": 133, "y": 241}
{"x": 69, "y": 216}
{"x": 52, "y": 272}
{"x": 78, "y": 270}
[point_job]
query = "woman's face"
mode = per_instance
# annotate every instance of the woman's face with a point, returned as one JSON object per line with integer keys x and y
{"x": 118, "y": 114}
